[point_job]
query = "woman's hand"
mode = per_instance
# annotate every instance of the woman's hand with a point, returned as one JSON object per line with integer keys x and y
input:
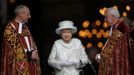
{"x": 67, "y": 63}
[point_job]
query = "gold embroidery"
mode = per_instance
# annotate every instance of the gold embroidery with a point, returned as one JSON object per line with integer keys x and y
{"x": 107, "y": 51}
{"x": 18, "y": 50}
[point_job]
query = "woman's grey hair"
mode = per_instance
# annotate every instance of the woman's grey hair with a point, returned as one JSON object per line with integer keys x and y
{"x": 19, "y": 9}
{"x": 114, "y": 11}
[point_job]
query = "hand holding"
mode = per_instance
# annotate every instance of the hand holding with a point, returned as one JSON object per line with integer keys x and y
{"x": 35, "y": 55}
{"x": 66, "y": 63}
{"x": 98, "y": 58}
{"x": 74, "y": 61}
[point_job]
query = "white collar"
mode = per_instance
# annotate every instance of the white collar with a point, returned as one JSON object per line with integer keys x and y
{"x": 20, "y": 26}
{"x": 66, "y": 45}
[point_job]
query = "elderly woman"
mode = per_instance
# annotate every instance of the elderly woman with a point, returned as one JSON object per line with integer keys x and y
{"x": 67, "y": 53}
{"x": 114, "y": 58}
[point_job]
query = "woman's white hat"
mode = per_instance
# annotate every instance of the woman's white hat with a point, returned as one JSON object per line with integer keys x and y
{"x": 66, "y": 25}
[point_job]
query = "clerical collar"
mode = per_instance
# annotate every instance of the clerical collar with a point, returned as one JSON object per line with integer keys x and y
{"x": 19, "y": 27}
{"x": 112, "y": 28}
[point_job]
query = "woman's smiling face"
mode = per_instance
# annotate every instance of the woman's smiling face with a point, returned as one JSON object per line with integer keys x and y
{"x": 66, "y": 35}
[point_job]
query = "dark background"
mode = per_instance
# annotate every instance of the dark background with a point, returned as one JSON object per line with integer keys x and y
{"x": 47, "y": 13}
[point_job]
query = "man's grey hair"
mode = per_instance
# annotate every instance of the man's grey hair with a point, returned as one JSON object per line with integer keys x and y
{"x": 114, "y": 11}
{"x": 19, "y": 9}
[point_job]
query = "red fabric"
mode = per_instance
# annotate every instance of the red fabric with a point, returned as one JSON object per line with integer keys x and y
{"x": 32, "y": 68}
{"x": 123, "y": 27}
{"x": 120, "y": 58}
{"x": 117, "y": 62}
{"x": 14, "y": 59}
{"x": 131, "y": 49}
{"x": 6, "y": 63}
{"x": 132, "y": 57}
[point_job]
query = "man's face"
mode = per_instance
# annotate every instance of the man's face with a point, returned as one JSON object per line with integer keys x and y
{"x": 109, "y": 18}
{"x": 25, "y": 15}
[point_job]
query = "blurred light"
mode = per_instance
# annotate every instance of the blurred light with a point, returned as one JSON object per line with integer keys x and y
{"x": 86, "y": 31}
{"x": 105, "y": 25}
{"x": 101, "y": 31}
{"x": 82, "y": 34}
{"x": 89, "y": 35}
{"x": 98, "y": 35}
{"x": 98, "y": 22}
{"x": 106, "y": 34}
{"x": 85, "y": 24}
{"x": 115, "y": 7}
{"x": 89, "y": 45}
{"x": 94, "y": 31}
{"x": 102, "y": 11}
{"x": 12, "y": 1}
{"x": 128, "y": 8}
{"x": 124, "y": 14}
{"x": 100, "y": 44}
